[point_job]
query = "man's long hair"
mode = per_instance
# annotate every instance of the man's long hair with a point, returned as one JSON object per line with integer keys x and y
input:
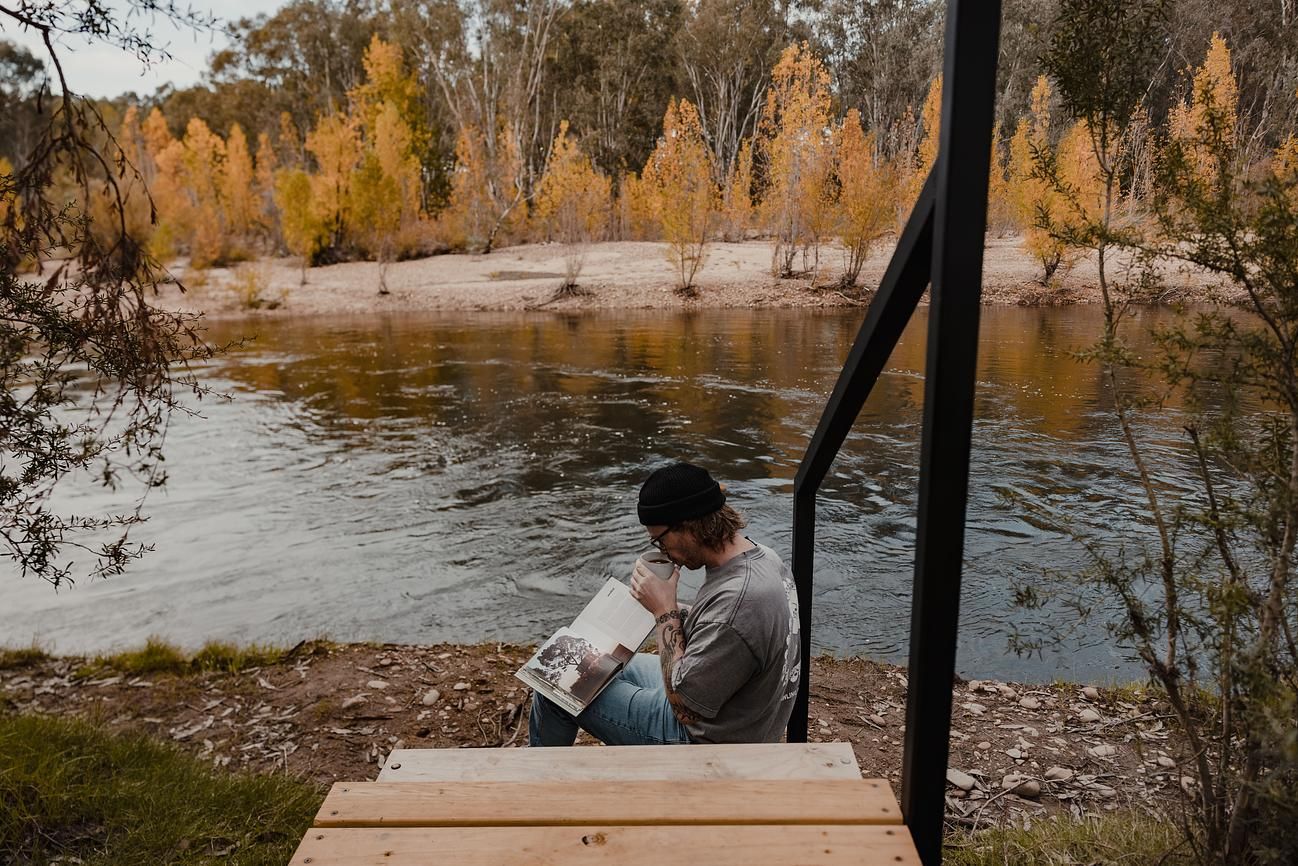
{"x": 714, "y": 531}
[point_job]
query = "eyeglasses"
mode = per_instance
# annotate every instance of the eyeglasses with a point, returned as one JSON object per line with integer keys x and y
{"x": 657, "y": 540}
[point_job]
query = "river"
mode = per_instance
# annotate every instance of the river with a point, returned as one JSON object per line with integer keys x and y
{"x": 472, "y": 477}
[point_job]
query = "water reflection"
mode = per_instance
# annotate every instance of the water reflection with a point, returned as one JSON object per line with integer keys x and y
{"x": 472, "y": 477}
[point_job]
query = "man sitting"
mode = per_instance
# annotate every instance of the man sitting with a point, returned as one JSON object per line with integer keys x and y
{"x": 728, "y": 667}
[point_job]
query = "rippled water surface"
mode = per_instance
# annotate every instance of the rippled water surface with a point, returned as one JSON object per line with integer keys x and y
{"x": 472, "y": 477}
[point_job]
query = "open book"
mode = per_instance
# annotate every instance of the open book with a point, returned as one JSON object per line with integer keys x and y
{"x": 578, "y": 661}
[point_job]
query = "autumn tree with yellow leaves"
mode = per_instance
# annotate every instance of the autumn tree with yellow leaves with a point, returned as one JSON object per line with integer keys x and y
{"x": 486, "y": 189}
{"x": 681, "y": 192}
{"x": 572, "y": 201}
{"x": 1032, "y": 199}
{"x": 867, "y": 190}
{"x": 1213, "y": 85}
{"x": 737, "y": 195}
{"x": 386, "y": 191}
{"x": 796, "y": 145}
{"x": 913, "y": 168}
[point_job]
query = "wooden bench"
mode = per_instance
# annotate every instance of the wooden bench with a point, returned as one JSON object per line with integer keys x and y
{"x": 802, "y": 803}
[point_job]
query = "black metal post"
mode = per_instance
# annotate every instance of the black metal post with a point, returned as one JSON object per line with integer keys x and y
{"x": 899, "y": 292}
{"x": 960, "y": 222}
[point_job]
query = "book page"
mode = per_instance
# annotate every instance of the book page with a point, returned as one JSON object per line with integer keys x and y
{"x": 613, "y": 612}
{"x": 574, "y": 665}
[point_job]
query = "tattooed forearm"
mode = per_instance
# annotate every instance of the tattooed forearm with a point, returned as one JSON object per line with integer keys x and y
{"x": 671, "y": 649}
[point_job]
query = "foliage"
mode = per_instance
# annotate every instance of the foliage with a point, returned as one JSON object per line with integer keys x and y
{"x": 616, "y": 64}
{"x": 680, "y": 190}
{"x": 1034, "y": 201}
{"x": 249, "y": 283}
{"x": 335, "y": 142}
{"x": 797, "y": 159}
{"x": 1213, "y": 87}
{"x": 915, "y": 171}
{"x": 1233, "y": 616}
{"x": 237, "y": 188}
{"x": 572, "y": 201}
{"x": 484, "y": 189}
{"x": 724, "y": 50}
{"x": 303, "y": 231}
{"x": 867, "y": 190}
{"x": 1000, "y": 208}
{"x": 737, "y": 196}
{"x": 1210, "y": 606}
{"x": 92, "y": 368}
{"x": 76, "y": 793}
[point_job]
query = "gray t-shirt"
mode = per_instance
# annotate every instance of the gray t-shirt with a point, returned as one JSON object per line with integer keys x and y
{"x": 742, "y": 651}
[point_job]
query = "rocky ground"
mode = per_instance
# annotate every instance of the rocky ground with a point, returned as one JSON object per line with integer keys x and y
{"x": 329, "y": 712}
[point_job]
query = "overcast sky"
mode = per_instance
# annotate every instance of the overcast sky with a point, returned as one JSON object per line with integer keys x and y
{"x": 101, "y": 70}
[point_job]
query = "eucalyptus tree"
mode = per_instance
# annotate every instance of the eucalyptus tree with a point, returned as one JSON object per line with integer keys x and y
{"x": 617, "y": 64}
{"x": 883, "y": 55}
{"x": 726, "y": 51}
{"x": 22, "y": 75}
{"x": 305, "y": 58}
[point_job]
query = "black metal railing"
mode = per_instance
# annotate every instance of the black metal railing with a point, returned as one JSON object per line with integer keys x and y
{"x": 941, "y": 246}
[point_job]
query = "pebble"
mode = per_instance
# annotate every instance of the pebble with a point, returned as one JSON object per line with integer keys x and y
{"x": 1006, "y": 692}
{"x": 1015, "y": 754}
{"x": 877, "y": 719}
{"x": 459, "y": 687}
{"x": 983, "y": 746}
{"x": 376, "y": 684}
{"x": 1104, "y": 750}
{"x": 431, "y": 698}
{"x": 1059, "y": 774}
{"x": 1029, "y": 703}
{"x": 1165, "y": 761}
{"x": 1088, "y": 715}
{"x": 1091, "y": 693}
{"x": 961, "y": 780}
{"x": 353, "y": 701}
{"x": 1021, "y": 785}
{"x": 1106, "y": 793}
{"x": 976, "y": 709}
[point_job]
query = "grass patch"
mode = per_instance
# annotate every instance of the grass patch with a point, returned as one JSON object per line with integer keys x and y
{"x": 218, "y": 656}
{"x": 22, "y": 657}
{"x": 1115, "y": 839}
{"x": 70, "y": 790}
{"x": 158, "y": 656}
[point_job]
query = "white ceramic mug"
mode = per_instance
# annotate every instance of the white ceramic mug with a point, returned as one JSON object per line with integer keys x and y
{"x": 659, "y": 564}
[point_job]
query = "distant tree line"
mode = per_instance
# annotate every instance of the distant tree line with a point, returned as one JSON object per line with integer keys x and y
{"x": 337, "y": 129}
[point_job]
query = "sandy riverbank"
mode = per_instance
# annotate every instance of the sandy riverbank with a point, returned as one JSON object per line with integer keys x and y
{"x": 328, "y": 711}
{"x": 616, "y": 275}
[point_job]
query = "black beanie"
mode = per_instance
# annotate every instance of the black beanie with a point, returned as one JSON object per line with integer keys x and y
{"x": 678, "y": 492}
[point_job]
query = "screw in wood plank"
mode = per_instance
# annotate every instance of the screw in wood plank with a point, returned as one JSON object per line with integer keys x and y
{"x": 395, "y": 767}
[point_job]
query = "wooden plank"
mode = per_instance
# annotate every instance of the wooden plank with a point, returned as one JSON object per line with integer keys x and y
{"x": 501, "y": 804}
{"x": 835, "y": 845}
{"x": 626, "y": 763}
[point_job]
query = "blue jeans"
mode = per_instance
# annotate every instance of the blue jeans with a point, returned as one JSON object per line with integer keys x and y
{"x": 632, "y": 711}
